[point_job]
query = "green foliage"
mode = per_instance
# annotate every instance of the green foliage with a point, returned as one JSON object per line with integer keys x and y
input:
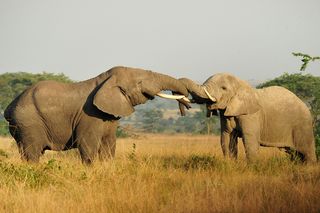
{"x": 197, "y": 123}
{"x": 3, "y": 153}
{"x": 121, "y": 132}
{"x": 3, "y": 127}
{"x": 132, "y": 155}
{"x": 30, "y": 175}
{"x": 305, "y": 60}
{"x": 12, "y": 84}
{"x": 317, "y": 138}
{"x": 307, "y": 87}
{"x": 151, "y": 120}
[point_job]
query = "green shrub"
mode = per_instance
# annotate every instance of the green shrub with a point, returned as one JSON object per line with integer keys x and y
{"x": 121, "y": 132}
{"x": 33, "y": 176}
{"x": 194, "y": 162}
{"x": 4, "y": 131}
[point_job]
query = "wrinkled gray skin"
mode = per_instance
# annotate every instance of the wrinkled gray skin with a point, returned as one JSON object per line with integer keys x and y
{"x": 272, "y": 116}
{"x": 58, "y": 116}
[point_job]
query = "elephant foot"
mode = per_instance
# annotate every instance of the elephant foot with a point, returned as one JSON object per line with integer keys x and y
{"x": 29, "y": 153}
{"x": 310, "y": 158}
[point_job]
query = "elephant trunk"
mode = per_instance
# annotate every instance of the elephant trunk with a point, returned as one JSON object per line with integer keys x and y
{"x": 166, "y": 82}
{"x": 198, "y": 92}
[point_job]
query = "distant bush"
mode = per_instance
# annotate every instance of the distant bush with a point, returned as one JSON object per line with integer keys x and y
{"x": 194, "y": 162}
{"x": 152, "y": 120}
{"x": 3, "y": 128}
{"x": 121, "y": 132}
{"x": 318, "y": 146}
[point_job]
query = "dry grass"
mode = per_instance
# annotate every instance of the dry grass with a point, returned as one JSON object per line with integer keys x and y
{"x": 163, "y": 173}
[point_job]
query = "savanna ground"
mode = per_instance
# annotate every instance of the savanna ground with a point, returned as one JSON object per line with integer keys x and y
{"x": 158, "y": 173}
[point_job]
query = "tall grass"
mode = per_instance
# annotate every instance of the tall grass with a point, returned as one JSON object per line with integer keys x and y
{"x": 158, "y": 173}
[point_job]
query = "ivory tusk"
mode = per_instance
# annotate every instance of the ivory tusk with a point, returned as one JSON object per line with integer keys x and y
{"x": 174, "y": 97}
{"x": 210, "y": 97}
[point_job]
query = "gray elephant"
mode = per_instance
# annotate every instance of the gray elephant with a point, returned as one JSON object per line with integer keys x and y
{"x": 272, "y": 116}
{"x": 58, "y": 116}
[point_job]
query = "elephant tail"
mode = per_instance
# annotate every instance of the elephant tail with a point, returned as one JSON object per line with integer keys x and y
{"x": 9, "y": 111}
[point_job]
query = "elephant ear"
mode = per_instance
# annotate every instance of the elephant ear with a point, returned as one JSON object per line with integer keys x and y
{"x": 243, "y": 103}
{"x": 110, "y": 99}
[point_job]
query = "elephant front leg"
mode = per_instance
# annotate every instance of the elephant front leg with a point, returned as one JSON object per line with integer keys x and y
{"x": 250, "y": 127}
{"x": 229, "y": 144}
{"x": 108, "y": 148}
{"x": 251, "y": 146}
{"x": 88, "y": 148}
{"x": 229, "y": 141}
{"x": 233, "y": 145}
{"x": 225, "y": 143}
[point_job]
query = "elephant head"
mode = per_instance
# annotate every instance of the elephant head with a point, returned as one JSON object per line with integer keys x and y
{"x": 122, "y": 88}
{"x": 224, "y": 92}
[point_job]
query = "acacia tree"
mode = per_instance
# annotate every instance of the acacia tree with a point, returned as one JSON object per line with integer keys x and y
{"x": 305, "y": 59}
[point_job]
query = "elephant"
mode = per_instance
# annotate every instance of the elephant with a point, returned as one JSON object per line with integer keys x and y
{"x": 272, "y": 116}
{"x": 60, "y": 116}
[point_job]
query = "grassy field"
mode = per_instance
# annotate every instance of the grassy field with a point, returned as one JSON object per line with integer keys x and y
{"x": 158, "y": 173}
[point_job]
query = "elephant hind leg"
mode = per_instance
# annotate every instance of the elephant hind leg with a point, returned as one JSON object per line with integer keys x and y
{"x": 16, "y": 134}
{"x": 305, "y": 144}
{"x": 31, "y": 143}
{"x": 308, "y": 155}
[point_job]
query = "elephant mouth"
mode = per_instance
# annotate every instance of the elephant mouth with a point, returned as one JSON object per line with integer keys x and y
{"x": 148, "y": 96}
{"x": 214, "y": 100}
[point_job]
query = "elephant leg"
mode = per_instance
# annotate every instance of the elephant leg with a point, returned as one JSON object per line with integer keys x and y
{"x": 16, "y": 134}
{"x": 233, "y": 145}
{"x": 107, "y": 148}
{"x": 31, "y": 143}
{"x": 250, "y": 127}
{"x": 309, "y": 156}
{"x": 31, "y": 152}
{"x": 304, "y": 143}
{"x": 225, "y": 143}
{"x": 108, "y": 143}
{"x": 251, "y": 145}
{"x": 88, "y": 149}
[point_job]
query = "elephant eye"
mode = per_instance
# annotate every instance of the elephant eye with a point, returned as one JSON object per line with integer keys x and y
{"x": 224, "y": 88}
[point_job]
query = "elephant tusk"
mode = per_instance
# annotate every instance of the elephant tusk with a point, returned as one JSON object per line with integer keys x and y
{"x": 174, "y": 97}
{"x": 209, "y": 96}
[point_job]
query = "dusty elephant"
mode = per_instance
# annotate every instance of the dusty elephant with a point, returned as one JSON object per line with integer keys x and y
{"x": 271, "y": 116}
{"x": 57, "y": 116}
